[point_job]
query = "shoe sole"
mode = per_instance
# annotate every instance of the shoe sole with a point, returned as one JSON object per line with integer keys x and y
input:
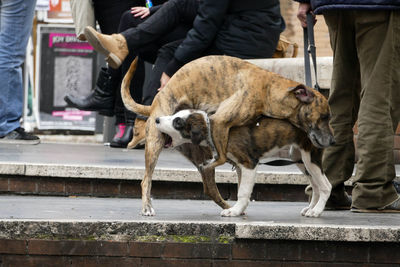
{"x": 375, "y": 211}
{"x": 112, "y": 59}
{"x": 19, "y": 142}
{"x": 117, "y": 145}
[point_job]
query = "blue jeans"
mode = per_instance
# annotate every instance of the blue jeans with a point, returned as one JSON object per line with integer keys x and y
{"x": 16, "y": 18}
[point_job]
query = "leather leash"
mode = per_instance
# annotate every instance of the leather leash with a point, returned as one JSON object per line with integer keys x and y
{"x": 310, "y": 49}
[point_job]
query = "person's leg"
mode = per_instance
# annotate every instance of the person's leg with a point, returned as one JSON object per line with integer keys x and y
{"x": 375, "y": 33}
{"x": 125, "y": 119}
{"x": 103, "y": 98}
{"x": 16, "y": 18}
{"x": 108, "y": 13}
{"x": 162, "y": 22}
{"x": 338, "y": 160}
{"x": 147, "y": 53}
{"x": 116, "y": 47}
{"x": 165, "y": 54}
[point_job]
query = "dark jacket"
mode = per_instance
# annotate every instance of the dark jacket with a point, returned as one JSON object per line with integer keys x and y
{"x": 319, "y": 6}
{"x": 240, "y": 28}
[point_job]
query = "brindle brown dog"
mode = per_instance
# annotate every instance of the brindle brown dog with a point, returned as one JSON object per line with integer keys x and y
{"x": 234, "y": 91}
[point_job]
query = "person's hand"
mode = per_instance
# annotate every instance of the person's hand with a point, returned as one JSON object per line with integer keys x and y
{"x": 304, "y": 8}
{"x": 164, "y": 79}
{"x": 140, "y": 11}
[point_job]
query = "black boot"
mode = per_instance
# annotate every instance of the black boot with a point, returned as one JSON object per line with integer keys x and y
{"x": 122, "y": 139}
{"x": 101, "y": 99}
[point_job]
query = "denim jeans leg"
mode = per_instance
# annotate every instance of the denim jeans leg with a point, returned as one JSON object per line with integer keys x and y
{"x": 15, "y": 26}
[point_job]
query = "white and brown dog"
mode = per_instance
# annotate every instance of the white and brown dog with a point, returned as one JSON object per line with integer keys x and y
{"x": 248, "y": 145}
{"x": 233, "y": 92}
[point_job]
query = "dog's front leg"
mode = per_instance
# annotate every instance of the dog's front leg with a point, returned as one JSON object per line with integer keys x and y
{"x": 220, "y": 136}
{"x": 321, "y": 187}
{"x": 231, "y": 112}
{"x": 244, "y": 192}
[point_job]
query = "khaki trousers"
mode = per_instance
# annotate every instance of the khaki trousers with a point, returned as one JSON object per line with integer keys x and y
{"x": 365, "y": 88}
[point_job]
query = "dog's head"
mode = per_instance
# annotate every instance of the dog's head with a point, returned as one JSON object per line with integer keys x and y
{"x": 313, "y": 116}
{"x": 185, "y": 126}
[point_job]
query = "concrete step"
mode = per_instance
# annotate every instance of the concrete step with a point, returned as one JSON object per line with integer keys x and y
{"x": 96, "y": 170}
{"x": 60, "y": 231}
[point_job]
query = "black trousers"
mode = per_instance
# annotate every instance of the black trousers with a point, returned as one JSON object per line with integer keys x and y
{"x": 108, "y": 15}
{"x": 156, "y": 28}
{"x": 146, "y": 40}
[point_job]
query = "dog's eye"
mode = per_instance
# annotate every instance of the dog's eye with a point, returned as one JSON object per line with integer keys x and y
{"x": 178, "y": 123}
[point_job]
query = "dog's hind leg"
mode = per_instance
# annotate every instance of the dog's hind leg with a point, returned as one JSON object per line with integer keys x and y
{"x": 244, "y": 192}
{"x": 198, "y": 155}
{"x": 211, "y": 189}
{"x": 321, "y": 186}
{"x": 154, "y": 145}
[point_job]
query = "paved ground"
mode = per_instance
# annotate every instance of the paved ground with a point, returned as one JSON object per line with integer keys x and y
{"x": 104, "y": 209}
{"x": 103, "y": 162}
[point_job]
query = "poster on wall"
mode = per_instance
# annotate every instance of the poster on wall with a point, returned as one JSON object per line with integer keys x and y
{"x": 64, "y": 65}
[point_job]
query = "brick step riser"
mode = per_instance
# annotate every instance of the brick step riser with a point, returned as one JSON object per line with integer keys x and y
{"x": 51, "y": 186}
{"x": 240, "y": 252}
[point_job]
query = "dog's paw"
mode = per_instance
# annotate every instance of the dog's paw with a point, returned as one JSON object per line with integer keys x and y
{"x": 148, "y": 211}
{"x": 313, "y": 213}
{"x": 232, "y": 212}
{"x": 304, "y": 211}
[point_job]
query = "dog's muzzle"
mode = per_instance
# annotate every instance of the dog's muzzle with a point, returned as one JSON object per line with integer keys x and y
{"x": 320, "y": 139}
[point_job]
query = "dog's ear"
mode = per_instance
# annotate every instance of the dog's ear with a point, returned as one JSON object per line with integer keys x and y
{"x": 197, "y": 135}
{"x": 302, "y": 93}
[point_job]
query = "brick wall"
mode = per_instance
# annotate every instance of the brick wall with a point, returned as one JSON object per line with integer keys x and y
{"x": 240, "y": 252}
{"x": 59, "y": 186}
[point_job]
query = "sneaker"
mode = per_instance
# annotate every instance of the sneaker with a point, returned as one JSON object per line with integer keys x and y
{"x": 19, "y": 137}
{"x": 394, "y": 207}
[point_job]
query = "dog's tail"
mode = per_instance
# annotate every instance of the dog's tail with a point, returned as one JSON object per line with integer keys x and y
{"x": 129, "y": 103}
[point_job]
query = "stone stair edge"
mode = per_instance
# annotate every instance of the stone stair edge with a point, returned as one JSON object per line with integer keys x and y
{"x": 136, "y": 173}
{"x": 126, "y": 230}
